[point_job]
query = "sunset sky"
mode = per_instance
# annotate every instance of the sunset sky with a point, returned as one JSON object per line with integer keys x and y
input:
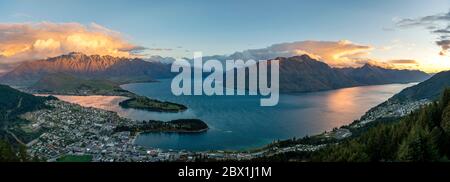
{"x": 409, "y": 34}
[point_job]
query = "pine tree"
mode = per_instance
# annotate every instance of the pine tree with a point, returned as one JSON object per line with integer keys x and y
{"x": 445, "y": 98}
{"x": 23, "y": 156}
{"x": 7, "y": 153}
{"x": 445, "y": 122}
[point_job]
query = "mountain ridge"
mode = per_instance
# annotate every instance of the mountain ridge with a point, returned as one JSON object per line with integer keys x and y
{"x": 305, "y": 74}
{"x": 371, "y": 75}
{"x": 297, "y": 74}
{"x": 111, "y": 68}
{"x": 429, "y": 89}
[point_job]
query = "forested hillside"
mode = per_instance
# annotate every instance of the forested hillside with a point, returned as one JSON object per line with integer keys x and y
{"x": 12, "y": 104}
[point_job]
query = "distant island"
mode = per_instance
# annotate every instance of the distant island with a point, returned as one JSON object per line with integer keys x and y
{"x": 147, "y": 104}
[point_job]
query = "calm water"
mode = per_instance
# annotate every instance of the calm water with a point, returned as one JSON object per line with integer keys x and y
{"x": 111, "y": 103}
{"x": 238, "y": 122}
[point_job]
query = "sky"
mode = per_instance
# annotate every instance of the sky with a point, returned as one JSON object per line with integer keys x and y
{"x": 392, "y": 33}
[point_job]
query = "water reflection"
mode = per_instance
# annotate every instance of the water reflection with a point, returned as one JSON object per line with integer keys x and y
{"x": 111, "y": 103}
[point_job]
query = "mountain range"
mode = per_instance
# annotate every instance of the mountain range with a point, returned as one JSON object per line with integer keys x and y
{"x": 121, "y": 70}
{"x": 375, "y": 75}
{"x": 305, "y": 74}
{"x": 297, "y": 74}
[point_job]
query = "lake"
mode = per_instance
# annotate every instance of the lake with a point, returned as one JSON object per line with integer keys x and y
{"x": 238, "y": 122}
{"x": 111, "y": 103}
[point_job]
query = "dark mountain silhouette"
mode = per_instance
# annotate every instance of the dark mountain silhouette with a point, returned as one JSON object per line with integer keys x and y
{"x": 305, "y": 74}
{"x": 374, "y": 75}
{"x": 430, "y": 89}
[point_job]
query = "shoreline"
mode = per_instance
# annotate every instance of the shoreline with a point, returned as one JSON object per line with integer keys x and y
{"x": 168, "y": 132}
{"x": 258, "y": 148}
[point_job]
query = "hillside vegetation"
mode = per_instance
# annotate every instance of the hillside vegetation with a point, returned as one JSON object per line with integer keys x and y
{"x": 12, "y": 104}
{"x": 429, "y": 89}
{"x": 66, "y": 84}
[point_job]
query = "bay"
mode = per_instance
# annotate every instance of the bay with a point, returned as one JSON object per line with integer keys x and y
{"x": 239, "y": 122}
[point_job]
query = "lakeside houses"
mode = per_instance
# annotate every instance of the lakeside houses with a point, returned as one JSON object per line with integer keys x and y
{"x": 391, "y": 109}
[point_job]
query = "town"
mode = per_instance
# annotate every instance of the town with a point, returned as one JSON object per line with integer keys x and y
{"x": 391, "y": 109}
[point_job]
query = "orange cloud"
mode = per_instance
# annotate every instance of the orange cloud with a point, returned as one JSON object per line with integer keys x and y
{"x": 403, "y": 61}
{"x": 337, "y": 54}
{"x": 341, "y": 53}
{"x": 394, "y": 64}
{"x": 30, "y": 41}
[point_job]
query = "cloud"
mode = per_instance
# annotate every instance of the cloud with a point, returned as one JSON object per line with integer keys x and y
{"x": 388, "y": 29}
{"x": 30, "y": 41}
{"x": 21, "y": 15}
{"x": 442, "y": 31}
{"x": 335, "y": 53}
{"x": 445, "y": 45}
{"x": 438, "y": 25}
{"x": 165, "y": 60}
{"x": 403, "y": 61}
{"x": 339, "y": 54}
{"x": 428, "y": 21}
{"x": 393, "y": 64}
{"x": 402, "y": 64}
{"x": 160, "y": 49}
